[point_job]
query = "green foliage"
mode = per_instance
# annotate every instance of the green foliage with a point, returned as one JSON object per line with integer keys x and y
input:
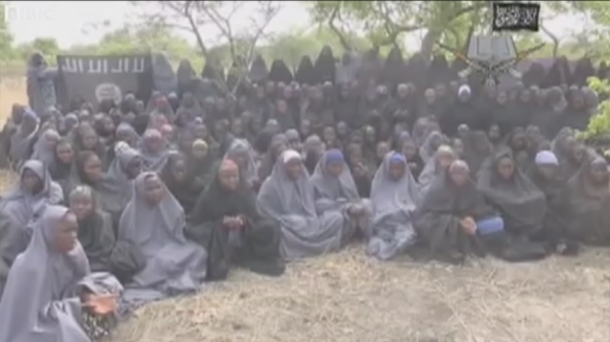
{"x": 599, "y": 124}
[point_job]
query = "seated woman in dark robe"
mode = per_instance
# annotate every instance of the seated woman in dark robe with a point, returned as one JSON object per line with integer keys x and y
{"x": 545, "y": 174}
{"x": 335, "y": 189}
{"x": 60, "y": 167}
{"x": 394, "y": 196}
{"x": 517, "y": 199}
{"x": 154, "y": 150}
{"x": 242, "y": 153}
{"x": 96, "y": 235}
{"x": 587, "y": 202}
{"x": 361, "y": 172}
{"x": 154, "y": 223}
{"x": 516, "y": 140}
{"x": 85, "y": 138}
{"x": 453, "y": 215}
{"x": 200, "y": 163}
{"x": 312, "y": 152}
{"x": 435, "y": 167}
{"x": 176, "y": 177}
{"x": 414, "y": 161}
{"x": 569, "y": 152}
{"x": 226, "y": 223}
{"x": 51, "y": 294}
{"x": 278, "y": 144}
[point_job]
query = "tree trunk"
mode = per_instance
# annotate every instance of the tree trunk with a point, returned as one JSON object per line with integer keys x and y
{"x": 427, "y": 44}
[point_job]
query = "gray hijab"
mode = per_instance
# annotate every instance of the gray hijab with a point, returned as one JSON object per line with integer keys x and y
{"x": 432, "y": 169}
{"x": 21, "y": 141}
{"x": 331, "y": 187}
{"x": 116, "y": 189}
{"x": 41, "y": 300}
{"x": 21, "y": 206}
{"x": 433, "y": 141}
{"x": 238, "y": 146}
{"x": 153, "y": 161}
{"x": 44, "y": 149}
{"x": 291, "y": 204}
{"x": 174, "y": 265}
{"x": 394, "y": 203}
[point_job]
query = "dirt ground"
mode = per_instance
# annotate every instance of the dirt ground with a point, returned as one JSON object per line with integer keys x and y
{"x": 347, "y": 297}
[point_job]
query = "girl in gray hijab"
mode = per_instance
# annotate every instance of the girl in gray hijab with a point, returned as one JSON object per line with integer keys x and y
{"x": 50, "y": 293}
{"x": 287, "y": 196}
{"x": 154, "y": 150}
{"x": 44, "y": 149}
{"x": 35, "y": 189}
{"x": 334, "y": 189}
{"x": 394, "y": 197}
{"x": 436, "y": 166}
{"x": 21, "y": 141}
{"x": 154, "y": 222}
{"x": 240, "y": 151}
{"x": 433, "y": 141}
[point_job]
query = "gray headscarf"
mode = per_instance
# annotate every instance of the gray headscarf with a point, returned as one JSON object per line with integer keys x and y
{"x": 44, "y": 149}
{"x": 394, "y": 203}
{"x": 432, "y": 169}
{"x": 41, "y": 300}
{"x": 21, "y": 141}
{"x": 116, "y": 189}
{"x": 21, "y": 206}
{"x": 250, "y": 172}
{"x": 291, "y": 203}
{"x": 153, "y": 161}
{"x": 433, "y": 141}
{"x": 174, "y": 265}
{"x": 331, "y": 191}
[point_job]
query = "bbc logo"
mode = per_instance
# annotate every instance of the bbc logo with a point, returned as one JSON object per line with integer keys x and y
{"x": 25, "y": 12}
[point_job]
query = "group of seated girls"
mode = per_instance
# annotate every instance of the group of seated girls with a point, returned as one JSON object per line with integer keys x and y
{"x": 123, "y": 239}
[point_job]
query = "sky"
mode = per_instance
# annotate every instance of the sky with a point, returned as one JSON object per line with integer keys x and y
{"x": 78, "y": 22}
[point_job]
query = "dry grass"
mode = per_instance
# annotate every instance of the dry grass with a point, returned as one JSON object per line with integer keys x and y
{"x": 347, "y": 297}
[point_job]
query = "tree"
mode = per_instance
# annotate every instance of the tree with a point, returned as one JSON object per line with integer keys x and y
{"x": 192, "y": 16}
{"x": 6, "y": 38}
{"x": 47, "y": 46}
{"x": 449, "y": 22}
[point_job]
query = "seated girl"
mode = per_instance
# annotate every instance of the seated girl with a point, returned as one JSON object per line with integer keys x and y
{"x": 243, "y": 155}
{"x": 287, "y": 196}
{"x": 50, "y": 293}
{"x": 514, "y": 196}
{"x": 334, "y": 189}
{"x": 96, "y": 236}
{"x": 587, "y": 202}
{"x": 154, "y": 150}
{"x": 394, "y": 197}
{"x": 545, "y": 174}
{"x": 154, "y": 222}
{"x": 226, "y": 223}
{"x": 453, "y": 215}
{"x": 436, "y": 166}
{"x": 34, "y": 191}
{"x": 176, "y": 177}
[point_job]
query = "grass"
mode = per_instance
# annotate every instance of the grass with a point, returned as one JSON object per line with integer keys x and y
{"x": 347, "y": 297}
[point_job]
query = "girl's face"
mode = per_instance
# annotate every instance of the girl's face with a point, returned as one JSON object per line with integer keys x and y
{"x": 240, "y": 158}
{"x": 382, "y": 149}
{"x": 458, "y": 176}
{"x": 548, "y": 171}
{"x": 335, "y": 168}
{"x": 199, "y": 151}
{"x": 397, "y": 170}
{"x": 329, "y": 135}
{"x": 81, "y": 205}
{"x": 506, "y": 168}
{"x": 294, "y": 168}
{"x": 282, "y": 107}
{"x": 90, "y": 139}
{"x": 201, "y": 131}
{"x": 355, "y": 155}
{"x": 92, "y": 168}
{"x": 369, "y": 135}
{"x": 445, "y": 159}
{"x": 64, "y": 153}
{"x": 229, "y": 178}
{"x": 153, "y": 190}
{"x": 134, "y": 167}
{"x": 494, "y": 133}
{"x": 108, "y": 124}
{"x": 64, "y": 239}
{"x": 178, "y": 170}
{"x": 409, "y": 149}
{"x": 30, "y": 181}
{"x": 519, "y": 140}
{"x": 458, "y": 147}
{"x": 342, "y": 129}
{"x": 278, "y": 148}
{"x": 305, "y": 127}
{"x": 154, "y": 144}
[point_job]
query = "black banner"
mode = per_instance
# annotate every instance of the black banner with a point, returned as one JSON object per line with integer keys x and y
{"x": 515, "y": 16}
{"x": 93, "y": 78}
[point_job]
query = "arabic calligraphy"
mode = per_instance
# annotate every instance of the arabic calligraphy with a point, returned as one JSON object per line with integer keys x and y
{"x": 515, "y": 16}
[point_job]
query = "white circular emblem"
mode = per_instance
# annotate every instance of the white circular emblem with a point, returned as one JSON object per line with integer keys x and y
{"x": 108, "y": 91}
